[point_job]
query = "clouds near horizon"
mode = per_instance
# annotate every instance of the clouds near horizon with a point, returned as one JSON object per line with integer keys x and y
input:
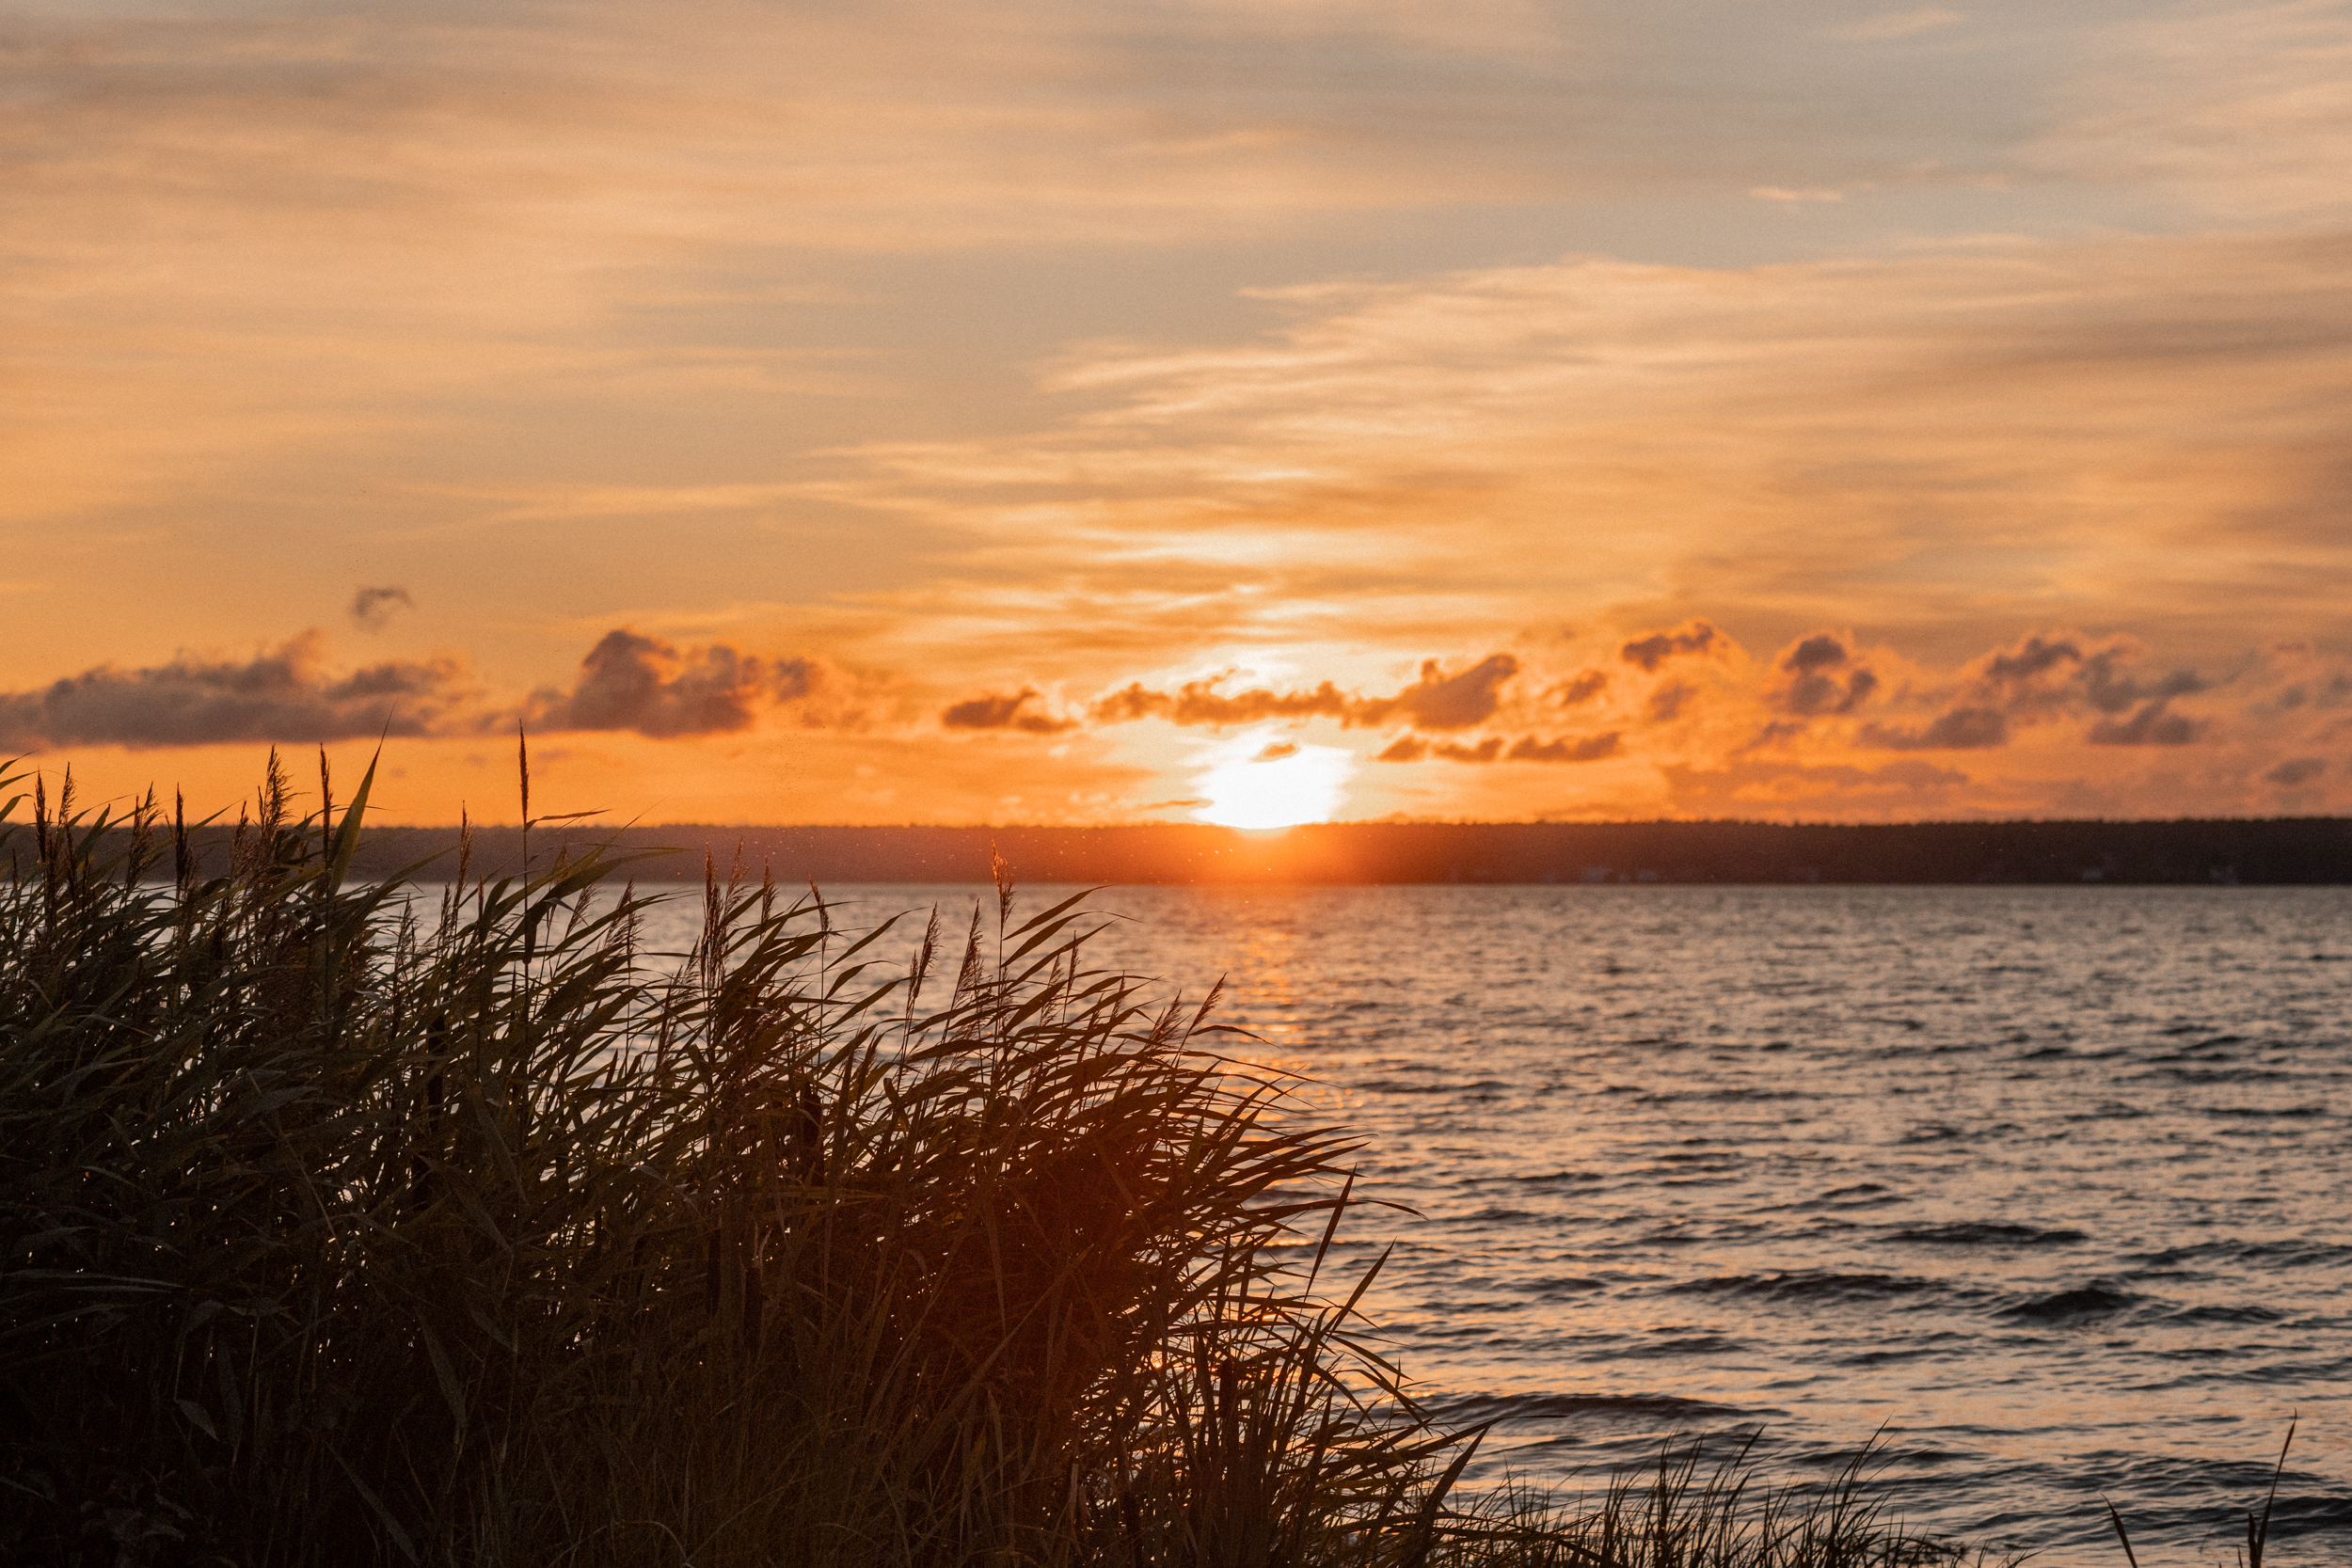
{"x": 633, "y": 682}
{"x": 292, "y": 694}
{"x": 284, "y": 693}
{"x": 2019, "y": 728}
{"x": 1437, "y": 700}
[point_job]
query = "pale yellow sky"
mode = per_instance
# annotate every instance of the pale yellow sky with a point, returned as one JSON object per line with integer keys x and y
{"x": 827, "y": 413}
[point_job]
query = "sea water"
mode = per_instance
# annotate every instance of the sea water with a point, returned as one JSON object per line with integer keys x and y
{"x": 2048, "y": 1186}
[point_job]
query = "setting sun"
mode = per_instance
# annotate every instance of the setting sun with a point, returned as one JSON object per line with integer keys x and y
{"x": 1256, "y": 782}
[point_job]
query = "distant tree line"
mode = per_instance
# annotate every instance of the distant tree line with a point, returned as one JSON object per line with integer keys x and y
{"x": 2281, "y": 850}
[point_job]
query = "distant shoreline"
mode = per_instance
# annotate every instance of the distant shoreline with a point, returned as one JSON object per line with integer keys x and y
{"x": 2252, "y": 851}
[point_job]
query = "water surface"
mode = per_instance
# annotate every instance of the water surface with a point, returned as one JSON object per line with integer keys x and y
{"x": 2049, "y": 1183}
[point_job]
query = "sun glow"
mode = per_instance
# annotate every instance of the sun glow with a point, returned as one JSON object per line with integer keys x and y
{"x": 1255, "y": 781}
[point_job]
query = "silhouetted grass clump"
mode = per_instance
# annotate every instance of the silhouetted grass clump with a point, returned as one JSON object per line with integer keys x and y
{"x": 350, "y": 1224}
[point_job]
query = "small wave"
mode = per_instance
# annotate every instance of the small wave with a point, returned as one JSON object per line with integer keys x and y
{"x": 2224, "y": 1315}
{"x": 1986, "y": 1233}
{"x": 1741, "y": 1096}
{"x": 1685, "y": 1344}
{"x": 2294, "y": 1374}
{"x": 2212, "y": 1077}
{"x": 1862, "y": 1189}
{"x": 1929, "y": 1346}
{"x": 2087, "y": 1301}
{"x": 2296, "y": 1515}
{"x": 1806, "y": 1287}
{"x": 1445, "y": 1309}
{"x": 1513, "y": 1409}
{"x": 2281, "y": 1253}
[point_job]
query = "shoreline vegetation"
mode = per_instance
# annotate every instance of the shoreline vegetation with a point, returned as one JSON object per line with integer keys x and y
{"x": 348, "y": 1221}
{"x": 2277, "y": 850}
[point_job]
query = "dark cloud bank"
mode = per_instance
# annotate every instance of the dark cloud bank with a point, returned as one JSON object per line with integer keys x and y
{"x": 627, "y": 681}
{"x": 2044, "y": 678}
{"x": 635, "y": 683}
{"x": 1494, "y": 749}
{"x": 1819, "y": 676}
{"x": 284, "y": 694}
{"x": 631, "y": 682}
{"x": 1437, "y": 702}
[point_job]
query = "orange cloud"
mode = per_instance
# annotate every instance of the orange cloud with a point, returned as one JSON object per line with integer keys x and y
{"x": 631, "y": 682}
{"x": 2052, "y": 721}
{"x": 1648, "y": 653}
{"x": 1437, "y": 701}
{"x": 1823, "y": 677}
{"x": 1946, "y": 444}
{"x": 2043, "y": 678}
{"x": 993, "y": 712}
{"x": 1527, "y": 748}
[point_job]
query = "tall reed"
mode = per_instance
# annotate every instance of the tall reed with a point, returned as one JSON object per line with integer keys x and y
{"x": 352, "y": 1224}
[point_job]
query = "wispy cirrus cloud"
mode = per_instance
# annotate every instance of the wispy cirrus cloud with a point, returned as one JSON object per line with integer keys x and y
{"x": 2236, "y": 110}
{"x": 1888, "y": 25}
{"x": 2063, "y": 430}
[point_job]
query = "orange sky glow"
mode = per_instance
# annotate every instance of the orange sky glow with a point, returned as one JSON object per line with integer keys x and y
{"x": 1048, "y": 413}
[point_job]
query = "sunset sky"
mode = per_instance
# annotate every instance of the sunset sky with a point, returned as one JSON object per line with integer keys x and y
{"x": 1054, "y": 412}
